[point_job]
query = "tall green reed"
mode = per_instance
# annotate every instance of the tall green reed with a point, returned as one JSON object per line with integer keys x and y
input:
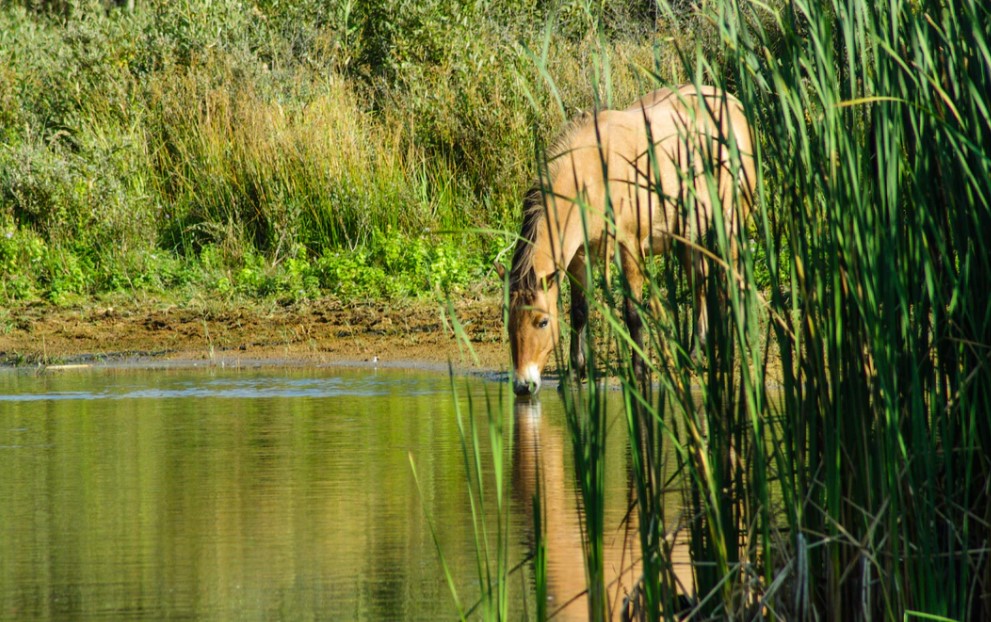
{"x": 833, "y": 444}
{"x": 489, "y": 503}
{"x": 879, "y": 412}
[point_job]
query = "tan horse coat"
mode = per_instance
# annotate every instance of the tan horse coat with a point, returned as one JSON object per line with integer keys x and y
{"x": 650, "y": 162}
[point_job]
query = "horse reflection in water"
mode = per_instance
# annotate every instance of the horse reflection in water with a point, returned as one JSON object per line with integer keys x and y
{"x": 630, "y": 182}
{"x": 539, "y": 451}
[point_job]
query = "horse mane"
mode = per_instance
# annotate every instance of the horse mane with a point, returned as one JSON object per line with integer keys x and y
{"x": 522, "y": 277}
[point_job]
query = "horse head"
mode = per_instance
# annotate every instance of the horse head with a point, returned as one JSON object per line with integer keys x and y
{"x": 533, "y": 328}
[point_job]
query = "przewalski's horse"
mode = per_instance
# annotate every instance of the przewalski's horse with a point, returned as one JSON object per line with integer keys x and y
{"x": 653, "y": 162}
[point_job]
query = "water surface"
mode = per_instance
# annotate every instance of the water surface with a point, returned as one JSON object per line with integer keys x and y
{"x": 272, "y": 494}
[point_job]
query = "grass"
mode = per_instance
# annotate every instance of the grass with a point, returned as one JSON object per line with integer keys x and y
{"x": 490, "y": 525}
{"x": 852, "y": 483}
{"x": 328, "y": 149}
{"x": 273, "y": 134}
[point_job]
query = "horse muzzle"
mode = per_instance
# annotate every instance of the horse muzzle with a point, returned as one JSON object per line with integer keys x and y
{"x": 527, "y": 381}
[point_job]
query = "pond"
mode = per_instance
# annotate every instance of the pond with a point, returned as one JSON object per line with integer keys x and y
{"x": 270, "y": 494}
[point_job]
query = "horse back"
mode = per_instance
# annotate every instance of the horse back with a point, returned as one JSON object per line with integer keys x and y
{"x": 634, "y": 167}
{"x": 692, "y": 132}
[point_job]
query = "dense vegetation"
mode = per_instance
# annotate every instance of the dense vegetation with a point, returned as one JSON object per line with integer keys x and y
{"x": 365, "y": 148}
{"x": 834, "y": 445}
{"x": 287, "y": 149}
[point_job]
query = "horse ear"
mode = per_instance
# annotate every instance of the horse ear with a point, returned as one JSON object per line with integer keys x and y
{"x": 549, "y": 280}
{"x": 500, "y": 270}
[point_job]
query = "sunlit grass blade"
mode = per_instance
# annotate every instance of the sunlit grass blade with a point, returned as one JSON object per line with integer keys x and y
{"x": 448, "y": 576}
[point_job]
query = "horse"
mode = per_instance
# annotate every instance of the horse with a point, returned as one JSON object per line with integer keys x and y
{"x": 632, "y": 180}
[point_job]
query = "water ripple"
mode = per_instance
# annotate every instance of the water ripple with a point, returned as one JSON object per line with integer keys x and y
{"x": 242, "y": 388}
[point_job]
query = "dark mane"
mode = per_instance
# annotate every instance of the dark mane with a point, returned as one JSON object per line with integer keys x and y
{"x": 521, "y": 275}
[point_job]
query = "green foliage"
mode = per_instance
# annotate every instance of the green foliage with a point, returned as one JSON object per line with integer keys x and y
{"x": 64, "y": 275}
{"x": 21, "y": 255}
{"x": 283, "y": 134}
{"x": 832, "y": 447}
{"x": 393, "y": 268}
{"x": 180, "y": 31}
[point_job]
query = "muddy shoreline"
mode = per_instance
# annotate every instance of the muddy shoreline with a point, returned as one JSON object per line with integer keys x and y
{"x": 326, "y": 333}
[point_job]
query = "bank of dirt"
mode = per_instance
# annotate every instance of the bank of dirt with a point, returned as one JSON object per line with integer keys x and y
{"x": 231, "y": 333}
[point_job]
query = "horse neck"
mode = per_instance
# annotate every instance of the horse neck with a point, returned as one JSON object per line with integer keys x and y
{"x": 558, "y": 237}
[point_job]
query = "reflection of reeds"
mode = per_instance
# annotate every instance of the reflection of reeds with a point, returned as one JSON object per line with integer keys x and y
{"x": 490, "y": 525}
{"x": 857, "y": 487}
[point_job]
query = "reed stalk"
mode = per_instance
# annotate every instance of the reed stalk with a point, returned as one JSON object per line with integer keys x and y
{"x": 833, "y": 445}
{"x": 489, "y": 504}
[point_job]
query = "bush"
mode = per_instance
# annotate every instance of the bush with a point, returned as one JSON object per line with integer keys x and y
{"x": 282, "y": 134}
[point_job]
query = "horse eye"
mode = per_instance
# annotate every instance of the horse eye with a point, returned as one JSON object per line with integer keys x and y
{"x": 543, "y": 323}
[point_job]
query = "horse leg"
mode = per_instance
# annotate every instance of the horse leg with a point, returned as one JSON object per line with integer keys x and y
{"x": 696, "y": 269}
{"x": 579, "y": 316}
{"x": 631, "y": 262}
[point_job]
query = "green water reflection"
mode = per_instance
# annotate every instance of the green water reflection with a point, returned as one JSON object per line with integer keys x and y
{"x": 184, "y": 494}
